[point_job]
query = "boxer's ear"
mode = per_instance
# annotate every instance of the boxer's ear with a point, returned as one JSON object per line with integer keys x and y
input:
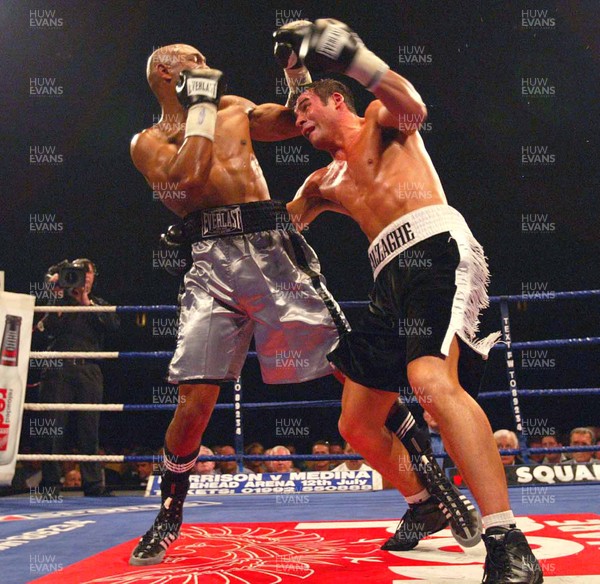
{"x": 338, "y": 99}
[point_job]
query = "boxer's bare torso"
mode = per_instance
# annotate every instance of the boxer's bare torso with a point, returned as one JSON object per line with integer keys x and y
{"x": 232, "y": 173}
{"x": 197, "y": 172}
{"x": 381, "y": 176}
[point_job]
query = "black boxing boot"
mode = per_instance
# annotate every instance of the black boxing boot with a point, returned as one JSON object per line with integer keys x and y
{"x": 509, "y": 558}
{"x": 153, "y": 545}
{"x": 419, "y": 521}
{"x": 464, "y": 519}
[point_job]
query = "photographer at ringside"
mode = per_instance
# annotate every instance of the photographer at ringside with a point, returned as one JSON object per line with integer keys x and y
{"x": 74, "y": 380}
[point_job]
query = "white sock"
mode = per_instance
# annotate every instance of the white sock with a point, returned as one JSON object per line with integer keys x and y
{"x": 419, "y": 497}
{"x": 502, "y": 519}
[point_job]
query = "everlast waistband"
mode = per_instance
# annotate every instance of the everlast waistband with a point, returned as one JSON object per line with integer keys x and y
{"x": 236, "y": 220}
{"x": 411, "y": 228}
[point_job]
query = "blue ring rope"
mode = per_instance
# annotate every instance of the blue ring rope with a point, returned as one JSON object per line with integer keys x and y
{"x": 584, "y": 341}
{"x": 568, "y": 295}
{"x": 332, "y": 403}
{"x": 315, "y": 457}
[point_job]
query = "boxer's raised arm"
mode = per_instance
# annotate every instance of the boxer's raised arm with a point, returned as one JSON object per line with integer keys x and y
{"x": 270, "y": 122}
{"x": 163, "y": 164}
{"x": 403, "y": 108}
{"x": 330, "y": 46}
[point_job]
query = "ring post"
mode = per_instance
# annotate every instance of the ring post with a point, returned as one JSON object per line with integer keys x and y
{"x": 239, "y": 431}
{"x": 512, "y": 376}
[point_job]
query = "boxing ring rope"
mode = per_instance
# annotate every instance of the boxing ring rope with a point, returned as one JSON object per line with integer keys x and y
{"x": 514, "y": 392}
{"x": 569, "y": 294}
{"x": 262, "y": 457}
{"x": 168, "y": 354}
{"x": 331, "y": 403}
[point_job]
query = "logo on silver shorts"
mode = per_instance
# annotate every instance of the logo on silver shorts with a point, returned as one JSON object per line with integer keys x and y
{"x": 222, "y": 221}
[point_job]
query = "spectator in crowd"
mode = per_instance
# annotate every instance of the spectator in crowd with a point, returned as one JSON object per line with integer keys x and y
{"x": 207, "y": 467}
{"x": 551, "y": 441}
{"x": 535, "y": 442}
{"x": 335, "y": 448}
{"x": 280, "y": 465}
{"x": 69, "y": 465}
{"x": 139, "y": 477}
{"x": 299, "y": 465}
{"x": 144, "y": 471}
{"x": 73, "y": 479}
{"x": 581, "y": 437}
{"x": 351, "y": 464}
{"x": 598, "y": 451}
{"x": 320, "y": 447}
{"x": 269, "y": 463}
{"x": 229, "y": 466}
{"x": 256, "y": 466}
{"x": 507, "y": 440}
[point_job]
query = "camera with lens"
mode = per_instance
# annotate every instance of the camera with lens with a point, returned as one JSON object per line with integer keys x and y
{"x": 70, "y": 275}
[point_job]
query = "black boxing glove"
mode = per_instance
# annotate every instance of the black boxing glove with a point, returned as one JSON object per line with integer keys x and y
{"x": 333, "y": 47}
{"x": 174, "y": 237}
{"x": 199, "y": 91}
{"x": 174, "y": 240}
{"x": 288, "y": 40}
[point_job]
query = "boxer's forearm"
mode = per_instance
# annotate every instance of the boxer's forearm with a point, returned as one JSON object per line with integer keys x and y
{"x": 402, "y": 102}
{"x": 191, "y": 165}
{"x": 304, "y": 211}
{"x": 165, "y": 164}
{"x": 270, "y": 122}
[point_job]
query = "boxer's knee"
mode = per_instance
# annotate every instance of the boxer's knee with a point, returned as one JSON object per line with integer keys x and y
{"x": 433, "y": 386}
{"x": 350, "y": 427}
{"x": 357, "y": 430}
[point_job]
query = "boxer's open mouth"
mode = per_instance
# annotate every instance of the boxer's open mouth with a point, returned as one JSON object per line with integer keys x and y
{"x": 306, "y": 131}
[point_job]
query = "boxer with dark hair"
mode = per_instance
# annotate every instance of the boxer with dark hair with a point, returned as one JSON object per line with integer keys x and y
{"x": 430, "y": 277}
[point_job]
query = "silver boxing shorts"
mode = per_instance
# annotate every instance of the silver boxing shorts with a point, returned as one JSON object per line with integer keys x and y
{"x": 265, "y": 284}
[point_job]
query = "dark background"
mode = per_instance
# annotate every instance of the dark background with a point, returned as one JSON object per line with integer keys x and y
{"x": 479, "y": 53}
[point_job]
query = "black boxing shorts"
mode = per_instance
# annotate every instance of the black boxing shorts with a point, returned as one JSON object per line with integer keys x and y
{"x": 430, "y": 285}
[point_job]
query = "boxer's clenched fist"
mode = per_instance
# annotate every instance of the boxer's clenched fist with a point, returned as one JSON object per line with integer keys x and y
{"x": 199, "y": 91}
{"x": 333, "y": 47}
{"x": 288, "y": 40}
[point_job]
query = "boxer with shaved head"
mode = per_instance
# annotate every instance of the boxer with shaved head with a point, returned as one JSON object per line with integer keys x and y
{"x": 245, "y": 252}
